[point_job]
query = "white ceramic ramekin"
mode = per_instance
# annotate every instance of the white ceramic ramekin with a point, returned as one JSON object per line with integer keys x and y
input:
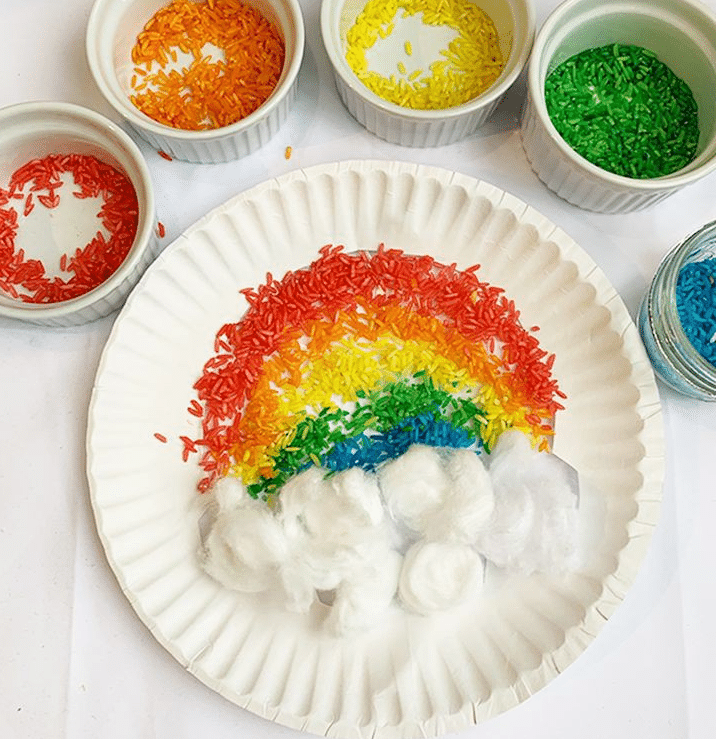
{"x": 35, "y": 130}
{"x": 112, "y": 30}
{"x": 515, "y": 24}
{"x": 681, "y": 33}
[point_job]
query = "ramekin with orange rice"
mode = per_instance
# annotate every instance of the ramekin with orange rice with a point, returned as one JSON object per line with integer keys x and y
{"x": 207, "y": 81}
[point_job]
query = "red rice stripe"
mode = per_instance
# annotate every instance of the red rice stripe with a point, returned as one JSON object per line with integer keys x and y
{"x": 339, "y": 281}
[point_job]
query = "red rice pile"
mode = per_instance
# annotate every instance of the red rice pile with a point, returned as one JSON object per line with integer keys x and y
{"x": 39, "y": 181}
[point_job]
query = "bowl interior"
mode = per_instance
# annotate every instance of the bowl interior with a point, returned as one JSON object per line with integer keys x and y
{"x": 30, "y": 132}
{"x": 681, "y": 35}
{"x": 112, "y": 33}
{"x": 513, "y": 22}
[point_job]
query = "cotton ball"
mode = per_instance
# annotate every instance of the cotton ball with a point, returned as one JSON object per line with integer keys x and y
{"x": 227, "y": 492}
{"x": 335, "y": 510}
{"x": 469, "y": 501}
{"x": 534, "y": 522}
{"x": 245, "y": 544}
{"x": 504, "y": 541}
{"x": 414, "y": 486}
{"x": 315, "y": 566}
{"x": 557, "y": 493}
{"x": 559, "y": 552}
{"x": 437, "y": 575}
{"x": 298, "y": 583}
{"x": 296, "y": 495}
{"x": 333, "y": 524}
{"x": 362, "y": 601}
{"x": 511, "y": 466}
{"x": 509, "y": 443}
{"x": 355, "y": 508}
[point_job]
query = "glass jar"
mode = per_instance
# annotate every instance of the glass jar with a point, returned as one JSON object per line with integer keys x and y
{"x": 673, "y": 356}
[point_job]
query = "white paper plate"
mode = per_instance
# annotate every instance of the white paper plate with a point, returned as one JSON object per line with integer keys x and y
{"x": 411, "y": 676}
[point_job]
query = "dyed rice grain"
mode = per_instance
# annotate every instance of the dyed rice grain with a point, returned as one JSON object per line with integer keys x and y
{"x": 25, "y": 279}
{"x": 696, "y": 305}
{"x": 342, "y": 337}
{"x": 623, "y": 110}
{"x": 205, "y": 93}
{"x": 471, "y": 63}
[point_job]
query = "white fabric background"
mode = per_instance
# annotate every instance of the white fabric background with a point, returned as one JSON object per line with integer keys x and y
{"x": 76, "y": 662}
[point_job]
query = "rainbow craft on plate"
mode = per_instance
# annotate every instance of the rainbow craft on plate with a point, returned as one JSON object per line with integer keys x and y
{"x": 349, "y": 361}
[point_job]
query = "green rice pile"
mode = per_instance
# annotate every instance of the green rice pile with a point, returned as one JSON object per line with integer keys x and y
{"x": 624, "y": 110}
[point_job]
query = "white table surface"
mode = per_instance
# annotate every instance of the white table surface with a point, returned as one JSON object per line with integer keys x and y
{"x": 76, "y": 661}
